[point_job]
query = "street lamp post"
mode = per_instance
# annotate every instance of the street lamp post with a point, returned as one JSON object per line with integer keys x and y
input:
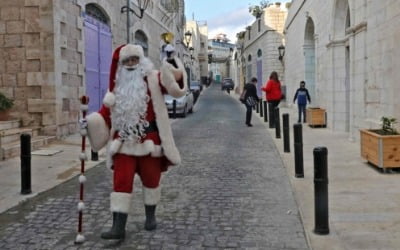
{"x": 188, "y": 38}
{"x": 127, "y": 8}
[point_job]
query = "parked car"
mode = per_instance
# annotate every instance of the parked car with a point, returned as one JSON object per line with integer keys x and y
{"x": 196, "y": 87}
{"x": 227, "y": 84}
{"x": 184, "y": 104}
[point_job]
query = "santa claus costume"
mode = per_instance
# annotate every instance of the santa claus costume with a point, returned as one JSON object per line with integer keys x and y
{"x": 134, "y": 125}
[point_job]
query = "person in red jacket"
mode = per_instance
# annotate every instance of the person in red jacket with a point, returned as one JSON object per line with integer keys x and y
{"x": 273, "y": 90}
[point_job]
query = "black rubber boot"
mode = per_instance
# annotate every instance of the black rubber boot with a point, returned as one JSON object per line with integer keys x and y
{"x": 150, "y": 223}
{"x": 117, "y": 231}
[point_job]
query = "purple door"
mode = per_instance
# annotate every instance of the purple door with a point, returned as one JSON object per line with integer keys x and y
{"x": 98, "y": 58}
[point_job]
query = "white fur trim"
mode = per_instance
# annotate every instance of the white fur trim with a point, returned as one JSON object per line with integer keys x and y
{"x": 83, "y": 156}
{"x": 120, "y": 202}
{"x": 109, "y": 99}
{"x": 82, "y": 179}
{"x": 131, "y": 50}
{"x": 81, "y": 206}
{"x": 79, "y": 238}
{"x": 84, "y": 107}
{"x": 164, "y": 127}
{"x": 169, "y": 79}
{"x": 98, "y": 132}
{"x": 83, "y": 132}
{"x": 142, "y": 149}
{"x": 151, "y": 196}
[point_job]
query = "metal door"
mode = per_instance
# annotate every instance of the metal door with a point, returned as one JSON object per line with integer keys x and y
{"x": 98, "y": 58}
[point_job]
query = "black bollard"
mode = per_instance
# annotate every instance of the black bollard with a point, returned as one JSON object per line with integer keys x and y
{"x": 265, "y": 111}
{"x": 321, "y": 190}
{"x": 25, "y": 140}
{"x": 298, "y": 150}
{"x": 277, "y": 124}
{"x": 257, "y": 108}
{"x": 286, "y": 134}
{"x": 174, "y": 109}
{"x": 271, "y": 115}
{"x": 260, "y": 102}
{"x": 95, "y": 156}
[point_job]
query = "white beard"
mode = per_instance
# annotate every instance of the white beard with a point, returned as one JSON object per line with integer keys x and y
{"x": 131, "y": 100}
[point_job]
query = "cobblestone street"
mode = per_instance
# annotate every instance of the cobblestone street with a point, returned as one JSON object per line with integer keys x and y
{"x": 230, "y": 192}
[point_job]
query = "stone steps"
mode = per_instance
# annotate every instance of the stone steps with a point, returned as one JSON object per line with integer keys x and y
{"x": 13, "y": 149}
{"x": 10, "y": 133}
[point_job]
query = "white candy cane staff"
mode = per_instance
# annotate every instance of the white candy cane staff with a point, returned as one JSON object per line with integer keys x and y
{"x": 80, "y": 238}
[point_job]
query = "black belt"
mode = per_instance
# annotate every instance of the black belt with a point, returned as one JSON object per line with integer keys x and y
{"x": 151, "y": 128}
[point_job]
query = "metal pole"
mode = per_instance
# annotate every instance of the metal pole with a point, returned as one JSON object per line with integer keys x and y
{"x": 298, "y": 150}
{"x": 173, "y": 109}
{"x": 271, "y": 115}
{"x": 257, "y": 108}
{"x": 277, "y": 124}
{"x": 128, "y": 10}
{"x": 265, "y": 111}
{"x": 25, "y": 163}
{"x": 321, "y": 190}
{"x": 286, "y": 134}
{"x": 261, "y": 108}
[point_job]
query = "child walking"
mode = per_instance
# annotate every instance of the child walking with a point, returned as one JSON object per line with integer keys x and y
{"x": 302, "y": 96}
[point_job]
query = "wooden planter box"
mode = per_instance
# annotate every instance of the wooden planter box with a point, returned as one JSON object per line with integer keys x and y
{"x": 382, "y": 151}
{"x": 316, "y": 117}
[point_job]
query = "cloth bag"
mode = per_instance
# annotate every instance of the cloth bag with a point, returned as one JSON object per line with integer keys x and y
{"x": 250, "y": 101}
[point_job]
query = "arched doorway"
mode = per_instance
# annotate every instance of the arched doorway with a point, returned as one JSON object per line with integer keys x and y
{"x": 141, "y": 39}
{"x": 309, "y": 57}
{"x": 98, "y": 50}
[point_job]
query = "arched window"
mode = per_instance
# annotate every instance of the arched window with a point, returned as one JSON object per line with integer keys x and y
{"x": 94, "y": 11}
{"x": 141, "y": 39}
{"x": 259, "y": 53}
{"x": 249, "y": 58}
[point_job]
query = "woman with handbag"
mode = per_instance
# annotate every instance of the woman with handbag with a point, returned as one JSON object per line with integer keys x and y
{"x": 250, "y": 99}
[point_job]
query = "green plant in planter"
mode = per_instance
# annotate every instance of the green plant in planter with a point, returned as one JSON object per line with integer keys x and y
{"x": 5, "y": 102}
{"x": 388, "y": 126}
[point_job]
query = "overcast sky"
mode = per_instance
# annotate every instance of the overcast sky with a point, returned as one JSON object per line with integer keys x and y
{"x": 222, "y": 16}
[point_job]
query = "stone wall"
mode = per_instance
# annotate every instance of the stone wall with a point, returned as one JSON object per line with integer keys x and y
{"x": 42, "y": 64}
{"x": 27, "y": 62}
{"x": 356, "y": 57}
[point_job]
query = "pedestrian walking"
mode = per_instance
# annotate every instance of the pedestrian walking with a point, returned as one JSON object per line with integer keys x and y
{"x": 302, "y": 96}
{"x": 272, "y": 89}
{"x": 133, "y": 123}
{"x": 250, "y": 99}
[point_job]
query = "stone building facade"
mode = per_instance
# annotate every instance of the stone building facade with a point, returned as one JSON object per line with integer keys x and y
{"x": 347, "y": 52}
{"x": 257, "y": 52}
{"x": 47, "y": 48}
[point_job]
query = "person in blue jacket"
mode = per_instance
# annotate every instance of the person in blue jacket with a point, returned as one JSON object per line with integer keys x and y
{"x": 302, "y": 96}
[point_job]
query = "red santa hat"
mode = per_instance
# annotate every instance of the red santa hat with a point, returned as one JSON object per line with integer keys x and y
{"x": 121, "y": 53}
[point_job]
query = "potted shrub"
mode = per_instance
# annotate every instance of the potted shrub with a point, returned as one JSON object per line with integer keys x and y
{"x": 381, "y": 147}
{"x": 5, "y": 106}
